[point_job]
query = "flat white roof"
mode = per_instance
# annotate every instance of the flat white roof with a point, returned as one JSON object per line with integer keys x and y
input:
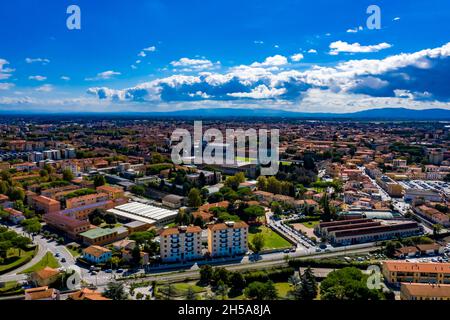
{"x": 143, "y": 212}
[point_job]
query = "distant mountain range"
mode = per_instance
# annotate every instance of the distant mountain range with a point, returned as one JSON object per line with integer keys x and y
{"x": 372, "y": 114}
{"x": 384, "y": 114}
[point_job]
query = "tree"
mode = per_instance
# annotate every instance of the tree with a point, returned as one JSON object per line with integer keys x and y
{"x": 110, "y": 218}
{"x": 253, "y": 212}
{"x": 306, "y": 287}
{"x": 258, "y": 242}
{"x": 237, "y": 281}
{"x": 136, "y": 254}
{"x": 220, "y": 274}
{"x": 233, "y": 182}
{"x": 222, "y": 289}
{"x": 139, "y": 190}
{"x": 437, "y": 229}
{"x": 115, "y": 291}
{"x": 194, "y": 198}
{"x": 115, "y": 260}
{"x": 447, "y": 178}
{"x": 99, "y": 181}
{"x": 206, "y": 274}
{"x": 190, "y": 294}
{"x": 261, "y": 291}
{"x": 31, "y": 225}
{"x": 67, "y": 175}
{"x": 348, "y": 284}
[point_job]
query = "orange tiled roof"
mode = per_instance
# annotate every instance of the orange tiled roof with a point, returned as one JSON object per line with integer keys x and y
{"x": 403, "y": 266}
{"x": 47, "y": 272}
{"x": 96, "y": 251}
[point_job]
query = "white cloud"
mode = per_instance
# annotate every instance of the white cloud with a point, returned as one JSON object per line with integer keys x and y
{"x": 133, "y": 67}
{"x": 5, "y": 73}
{"x": 6, "y": 85}
{"x": 275, "y": 61}
{"x": 297, "y": 57}
{"x": 312, "y": 51}
{"x": 259, "y": 92}
{"x": 44, "y": 61}
{"x": 355, "y": 84}
{"x": 193, "y": 64}
{"x": 45, "y": 88}
{"x": 150, "y": 49}
{"x": 106, "y": 75}
{"x": 258, "y": 42}
{"x": 65, "y": 78}
{"x": 142, "y": 54}
{"x": 37, "y": 78}
{"x": 342, "y": 46}
{"x": 355, "y": 30}
{"x": 396, "y": 19}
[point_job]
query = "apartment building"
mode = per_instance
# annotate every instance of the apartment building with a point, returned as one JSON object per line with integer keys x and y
{"x": 112, "y": 192}
{"x": 227, "y": 239}
{"x": 424, "y": 291}
{"x": 45, "y": 204}
{"x": 86, "y": 200}
{"x": 69, "y": 225}
{"x": 395, "y": 272}
{"x": 180, "y": 244}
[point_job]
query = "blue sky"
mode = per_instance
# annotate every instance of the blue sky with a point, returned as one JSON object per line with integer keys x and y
{"x": 146, "y": 55}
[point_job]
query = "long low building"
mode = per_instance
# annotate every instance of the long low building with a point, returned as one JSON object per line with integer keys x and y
{"x": 376, "y": 233}
{"x": 348, "y": 232}
{"x": 395, "y": 272}
{"x": 145, "y": 213}
{"x": 69, "y": 225}
{"x": 424, "y": 291}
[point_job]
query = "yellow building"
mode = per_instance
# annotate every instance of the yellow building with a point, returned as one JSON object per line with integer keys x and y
{"x": 424, "y": 291}
{"x": 228, "y": 239}
{"x": 395, "y": 272}
{"x": 180, "y": 244}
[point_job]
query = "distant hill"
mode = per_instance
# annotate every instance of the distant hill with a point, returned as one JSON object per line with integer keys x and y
{"x": 379, "y": 114}
{"x": 372, "y": 114}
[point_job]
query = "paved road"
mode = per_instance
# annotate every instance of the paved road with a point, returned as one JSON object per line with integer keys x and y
{"x": 44, "y": 246}
{"x": 267, "y": 261}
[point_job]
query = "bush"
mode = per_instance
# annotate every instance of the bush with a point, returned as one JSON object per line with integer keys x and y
{"x": 276, "y": 275}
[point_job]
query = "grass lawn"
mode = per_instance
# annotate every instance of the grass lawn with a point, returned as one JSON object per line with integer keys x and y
{"x": 283, "y": 289}
{"x": 180, "y": 289}
{"x": 13, "y": 259}
{"x": 73, "y": 252}
{"x": 310, "y": 224}
{"x": 47, "y": 261}
{"x": 272, "y": 239}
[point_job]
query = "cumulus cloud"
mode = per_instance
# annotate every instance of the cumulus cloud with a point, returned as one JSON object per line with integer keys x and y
{"x": 37, "y": 78}
{"x": 6, "y": 85}
{"x": 274, "y": 61}
{"x": 5, "y": 73}
{"x": 297, "y": 57}
{"x": 65, "y": 78}
{"x": 342, "y": 46}
{"x": 187, "y": 64}
{"x": 43, "y": 61}
{"x": 423, "y": 75}
{"x": 260, "y": 92}
{"x": 312, "y": 51}
{"x": 396, "y": 19}
{"x": 106, "y": 75}
{"x": 45, "y": 88}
